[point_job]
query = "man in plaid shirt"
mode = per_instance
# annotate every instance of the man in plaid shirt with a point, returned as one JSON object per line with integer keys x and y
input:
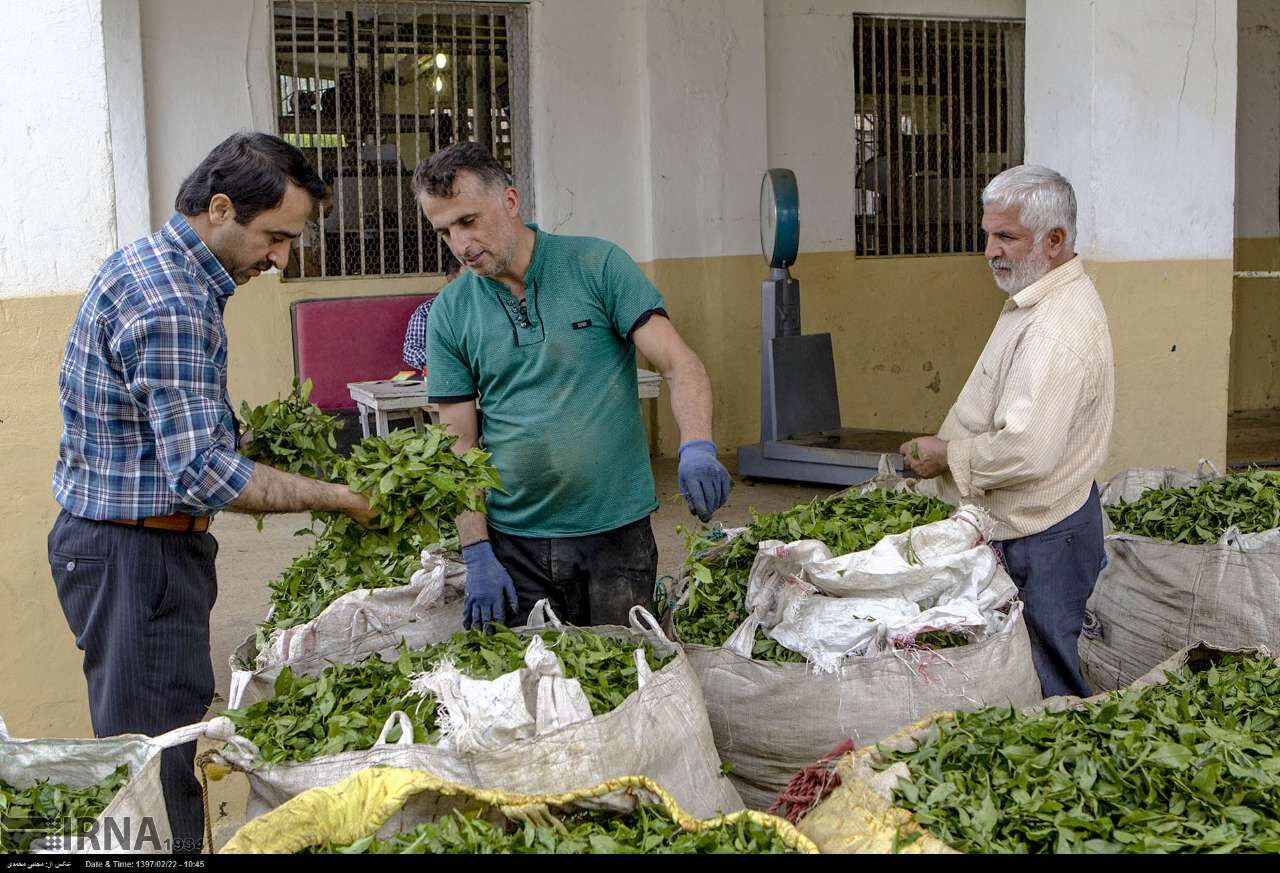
{"x": 148, "y": 451}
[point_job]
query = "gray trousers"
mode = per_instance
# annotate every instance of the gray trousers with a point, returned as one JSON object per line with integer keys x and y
{"x": 589, "y": 581}
{"x": 138, "y": 601}
{"x": 1055, "y": 571}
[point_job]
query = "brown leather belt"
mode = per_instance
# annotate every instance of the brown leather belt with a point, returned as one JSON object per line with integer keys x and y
{"x": 179, "y": 522}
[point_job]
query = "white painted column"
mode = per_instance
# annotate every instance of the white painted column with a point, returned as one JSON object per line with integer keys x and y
{"x": 1135, "y": 103}
{"x": 126, "y": 102}
{"x": 708, "y": 124}
{"x": 57, "y": 181}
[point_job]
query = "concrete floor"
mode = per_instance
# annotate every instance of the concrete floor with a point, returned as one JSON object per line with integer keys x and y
{"x": 248, "y": 559}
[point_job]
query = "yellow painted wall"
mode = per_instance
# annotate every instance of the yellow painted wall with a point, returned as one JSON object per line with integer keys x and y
{"x": 906, "y": 333}
{"x": 1255, "y": 341}
{"x": 1171, "y": 333}
{"x": 43, "y": 691}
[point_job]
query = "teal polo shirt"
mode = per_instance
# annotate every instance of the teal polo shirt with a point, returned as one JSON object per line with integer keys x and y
{"x": 557, "y": 385}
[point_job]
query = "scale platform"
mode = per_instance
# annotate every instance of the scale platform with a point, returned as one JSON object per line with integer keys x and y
{"x": 843, "y": 456}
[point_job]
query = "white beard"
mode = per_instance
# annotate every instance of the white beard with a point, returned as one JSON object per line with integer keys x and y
{"x": 1021, "y": 273}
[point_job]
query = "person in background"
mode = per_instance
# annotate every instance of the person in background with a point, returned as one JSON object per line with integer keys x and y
{"x": 1030, "y": 428}
{"x": 415, "y": 336}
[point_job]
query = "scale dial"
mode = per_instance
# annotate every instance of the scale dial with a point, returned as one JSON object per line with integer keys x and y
{"x": 779, "y": 218}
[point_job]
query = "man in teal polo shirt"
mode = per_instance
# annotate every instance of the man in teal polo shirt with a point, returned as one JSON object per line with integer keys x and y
{"x": 544, "y": 330}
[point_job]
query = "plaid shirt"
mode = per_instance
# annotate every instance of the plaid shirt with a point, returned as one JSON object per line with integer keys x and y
{"x": 415, "y": 337}
{"x": 147, "y": 428}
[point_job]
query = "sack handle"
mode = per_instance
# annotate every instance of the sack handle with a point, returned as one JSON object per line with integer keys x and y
{"x": 406, "y": 730}
{"x": 370, "y": 620}
{"x": 543, "y": 616}
{"x": 4, "y": 730}
{"x": 643, "y": 622}
{"x": 181, "y": 736}
{"x": 238, "y": 752}
{"x": 1205, "y": 462}
{"x": 643, "y": 672}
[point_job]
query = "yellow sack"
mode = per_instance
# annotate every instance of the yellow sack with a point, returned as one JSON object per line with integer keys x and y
{"x": 361, "y": 804}
{"x": 859, "y": 816}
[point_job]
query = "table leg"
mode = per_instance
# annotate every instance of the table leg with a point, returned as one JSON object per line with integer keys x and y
{"x": 364, "y": 418}
{"x": 417, "y": 420}
{"x": 380, "y": 419}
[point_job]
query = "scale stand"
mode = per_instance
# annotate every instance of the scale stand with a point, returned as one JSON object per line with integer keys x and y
{"x": 800, "y": 434}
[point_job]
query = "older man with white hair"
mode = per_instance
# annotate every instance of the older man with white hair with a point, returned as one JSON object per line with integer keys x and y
{"x": 1029, "y": 430}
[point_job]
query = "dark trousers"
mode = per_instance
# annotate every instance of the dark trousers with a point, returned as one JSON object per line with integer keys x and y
{"x": 1055, "y": 571}
{"x": 591, "y": 580}
{"x": 138, "y": 601}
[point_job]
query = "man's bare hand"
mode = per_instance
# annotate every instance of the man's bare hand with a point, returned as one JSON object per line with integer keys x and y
{"x": 926, "y": 455}
{"x": 245, "y": 439}
{"x": 356, "y": 505}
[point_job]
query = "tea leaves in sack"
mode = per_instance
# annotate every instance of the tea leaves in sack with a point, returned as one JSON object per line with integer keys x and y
{"x": 1248, "y": 501}
{"x": 345, "y": 707}
{"x": 46, "y": 809}
{"x": 847, "y": 523}
{"x": 418, "y": 486}
{"x": 1187, "y": 766}
{"x": 649, "y": 830}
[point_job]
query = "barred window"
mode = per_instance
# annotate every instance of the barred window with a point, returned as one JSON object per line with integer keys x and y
{"x": 937, "y": 114}
{"x": 368, "y": 89}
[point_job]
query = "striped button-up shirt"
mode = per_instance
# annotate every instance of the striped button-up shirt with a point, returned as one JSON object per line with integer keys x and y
{"x": 147, "y": 427}
{"x": 1030, "y": 429}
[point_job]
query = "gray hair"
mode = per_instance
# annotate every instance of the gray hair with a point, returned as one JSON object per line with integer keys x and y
{"x": 1044, "y": 198}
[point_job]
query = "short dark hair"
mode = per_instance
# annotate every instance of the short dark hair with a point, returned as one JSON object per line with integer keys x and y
{"x": 437, "y": 175}
{"x": 253, "y": 169}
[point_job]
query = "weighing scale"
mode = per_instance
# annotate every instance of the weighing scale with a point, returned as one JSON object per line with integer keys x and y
{"x": 800, "y": 433}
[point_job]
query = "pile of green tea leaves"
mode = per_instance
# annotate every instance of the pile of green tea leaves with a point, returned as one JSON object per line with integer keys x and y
{"x": 1249, "y": 501}
{"x": 650, "y": 829}
{"x": 345, "y": 707}
{"x": 292, "y": 434}
{"x": 418, "y": 486}
{"x": 45, "y": 809}
{"x": 1190, "y": 766}
{"x": 848, "y": 523}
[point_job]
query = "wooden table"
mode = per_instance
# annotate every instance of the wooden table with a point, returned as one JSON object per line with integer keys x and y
{"x": 385, "y": 400}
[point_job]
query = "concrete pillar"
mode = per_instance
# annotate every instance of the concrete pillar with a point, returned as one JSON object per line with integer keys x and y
{"x": 126, "y": 104}
{"x": 1136, "y": 104}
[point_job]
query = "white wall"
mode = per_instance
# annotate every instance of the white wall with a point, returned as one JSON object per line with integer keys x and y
{"x": 1144, "y": 127}
{"x": 809, "y": 52}
{"x": 1258, "y": 120}
{"x": 649, "y": 122}
{"x": 589, "y": 98}
{"x": 708, "y": 123}
{"x": 208, "y": 72}
{"x": 58, "y": 220}
{"x": 126, "y": 97}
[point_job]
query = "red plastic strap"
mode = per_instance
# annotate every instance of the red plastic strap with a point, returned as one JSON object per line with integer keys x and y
{"x": 810, "y": 785}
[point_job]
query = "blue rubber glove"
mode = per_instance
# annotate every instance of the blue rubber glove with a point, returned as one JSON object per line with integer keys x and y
{"x": 704, "y": 481}
{"x": 489, "y": 587}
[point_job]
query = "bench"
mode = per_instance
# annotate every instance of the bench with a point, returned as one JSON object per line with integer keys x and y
{"x": 340, "y": 340}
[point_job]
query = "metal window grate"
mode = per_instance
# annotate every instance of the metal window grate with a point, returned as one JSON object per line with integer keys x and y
{"x": 370, "y": 88}
{"x": 937, "y": 114}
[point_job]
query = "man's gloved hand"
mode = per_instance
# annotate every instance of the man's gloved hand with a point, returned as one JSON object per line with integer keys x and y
{"x": 704, "y": 481}
{"x": 489, "y": 587}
